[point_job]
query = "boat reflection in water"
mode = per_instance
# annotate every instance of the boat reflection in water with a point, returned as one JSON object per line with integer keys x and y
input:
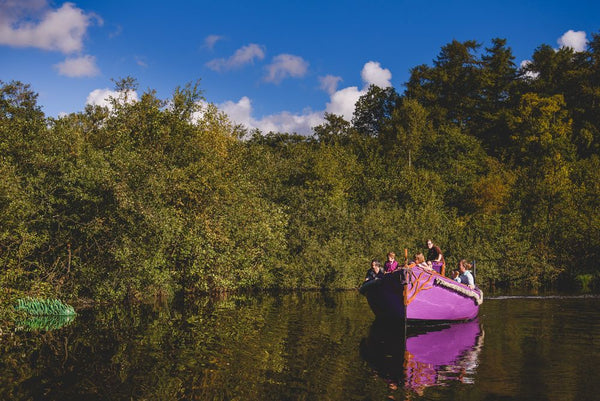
{"x": 423, "y": 356}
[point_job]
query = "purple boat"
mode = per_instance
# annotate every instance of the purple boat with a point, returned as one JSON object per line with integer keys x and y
{"x": 417, "y": 357}
{"x": 419, "y": 294}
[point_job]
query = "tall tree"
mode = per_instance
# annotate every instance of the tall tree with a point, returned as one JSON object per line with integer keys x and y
{"x": 407, "y": 131}
{"x": 374, "y": 109}
{"x": 449, "y": 89}
{"x": 498, "y": 75}
{"x": 586, "y": 102}
{"x": 545, "y": 154}
{"x": 458, "y": 74}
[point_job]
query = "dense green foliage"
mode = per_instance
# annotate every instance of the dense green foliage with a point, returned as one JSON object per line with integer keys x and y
{"x": 494, "y": 163}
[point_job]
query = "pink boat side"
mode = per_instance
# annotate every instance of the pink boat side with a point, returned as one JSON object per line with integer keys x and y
{"x": 414, "y": 293}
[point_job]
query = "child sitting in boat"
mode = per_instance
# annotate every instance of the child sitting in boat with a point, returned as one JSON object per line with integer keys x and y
{"x": 391, "y": 264}
{"x": 375, "y": 271}
{"x": 420, "y": 262}
{"x": 464, "y": 276}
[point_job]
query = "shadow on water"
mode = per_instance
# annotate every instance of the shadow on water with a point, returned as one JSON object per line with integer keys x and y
{"x": 421, "y": 356}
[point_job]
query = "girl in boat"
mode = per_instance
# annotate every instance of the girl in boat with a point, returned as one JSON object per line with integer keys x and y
{"x": 391, "y": 264}
{"x": 420, "y": 262}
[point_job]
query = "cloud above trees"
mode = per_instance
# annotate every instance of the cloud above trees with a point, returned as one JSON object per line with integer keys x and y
{"x": 576, "y": 40}
{"x": 102, "y": 97}
{"x": 242, "y": 56}
{"x": 329, "y": 83}
{"x": 84, "y": 66}
{"x": 241, "y": 113}
{"x": 341, "y": 102}
{"x": 373, "y": 74}
{"x": 211, "y": 40}
{"x": 32, "y": 23}
{"x": 285, "y": 66}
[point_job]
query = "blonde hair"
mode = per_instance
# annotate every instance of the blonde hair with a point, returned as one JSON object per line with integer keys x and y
{"x": 419, "y": 258}
{"x": 392, "y": 254}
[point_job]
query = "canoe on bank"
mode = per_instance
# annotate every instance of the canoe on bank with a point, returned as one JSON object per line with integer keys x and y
{"x": 417, "y": 294}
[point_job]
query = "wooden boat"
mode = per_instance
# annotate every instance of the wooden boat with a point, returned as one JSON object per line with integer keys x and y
{"x": 418, "y": 294}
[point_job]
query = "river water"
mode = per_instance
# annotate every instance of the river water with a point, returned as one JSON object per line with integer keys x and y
{"x": 308, "y": 346}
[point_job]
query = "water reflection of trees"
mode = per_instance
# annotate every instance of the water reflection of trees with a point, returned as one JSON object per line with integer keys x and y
{"x": 255, "y": 348}
{"x": 294, "y": 347}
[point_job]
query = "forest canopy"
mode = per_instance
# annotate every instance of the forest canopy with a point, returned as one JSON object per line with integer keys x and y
{"x": 495, "y": 163}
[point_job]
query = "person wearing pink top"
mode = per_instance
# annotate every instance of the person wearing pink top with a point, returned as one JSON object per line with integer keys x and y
{"x": 391, "y": 263}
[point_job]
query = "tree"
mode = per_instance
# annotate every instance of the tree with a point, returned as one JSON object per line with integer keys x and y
{"x": 449, "y": 89}
{"x": 374, "y": 109}
{"x": 497, "y": 94}
{"x": 334, "y": 130}
{"x": 408, "y": 130}
{"x": 586, "y": 99}
{"x": 542, "y": 134}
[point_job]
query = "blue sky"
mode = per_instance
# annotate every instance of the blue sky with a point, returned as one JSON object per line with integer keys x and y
{"x": 273, "y": 65}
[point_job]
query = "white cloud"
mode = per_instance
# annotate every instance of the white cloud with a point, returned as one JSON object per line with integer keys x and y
{"x": 343, "y": 102}
{"x": 241, "y": 113}
{"x": 211, "y": 40}
{"x": 84, "y": 66}
{"x": 242, "y": 56}
{"x": 31, "y": 23}
{"x": 575, "y": 40}
{"x": 101, "y": 97}
{"x": 373, "y": 74}
{"x": 329, "y": 83}
{"x": 284, "y": 66}
{"x": 247, "y": 54}
{"x": 141, "y": 61}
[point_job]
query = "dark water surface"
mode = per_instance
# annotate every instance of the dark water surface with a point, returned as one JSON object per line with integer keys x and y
{"x": 307, "y": 346}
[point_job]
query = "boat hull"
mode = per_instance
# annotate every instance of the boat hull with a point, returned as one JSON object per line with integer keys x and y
{"x": 419, "y": 295}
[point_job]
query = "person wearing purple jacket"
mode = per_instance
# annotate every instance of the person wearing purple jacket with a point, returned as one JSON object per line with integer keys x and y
{"x": 391, "y": 264}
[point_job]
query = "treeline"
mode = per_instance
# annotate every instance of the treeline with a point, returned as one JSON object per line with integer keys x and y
{"x": 495, "y": 163}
